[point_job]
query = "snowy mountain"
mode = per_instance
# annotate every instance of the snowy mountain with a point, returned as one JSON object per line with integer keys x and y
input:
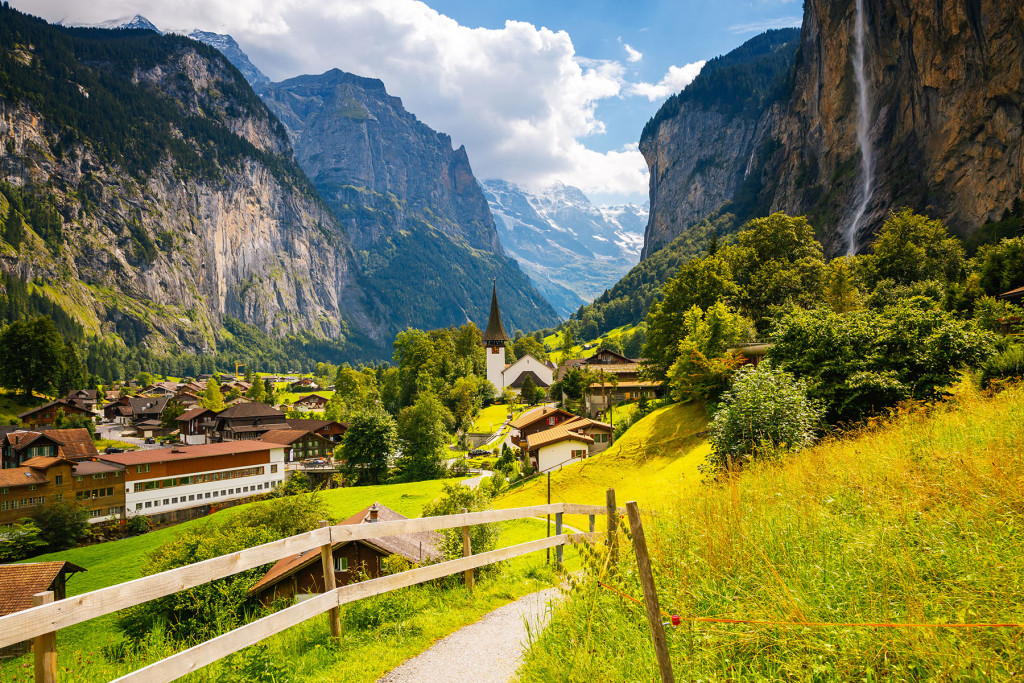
{"x": 230, "y": 49}
{"x": 571, "y": 249}
{"x": 136, "y": 22}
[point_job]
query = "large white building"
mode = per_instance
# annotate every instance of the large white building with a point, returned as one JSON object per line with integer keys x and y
{"x": 503, "y": 375}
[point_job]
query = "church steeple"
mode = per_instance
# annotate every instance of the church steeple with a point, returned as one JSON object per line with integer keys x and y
{"x": 495, "y": 334}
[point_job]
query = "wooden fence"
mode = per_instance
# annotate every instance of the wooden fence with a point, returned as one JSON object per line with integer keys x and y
{"x": 42, "y": 621}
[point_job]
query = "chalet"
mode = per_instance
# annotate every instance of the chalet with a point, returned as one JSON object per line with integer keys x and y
{"x": 193, "y": 425}
{"x": 304, "y": 384}
{"x": 558, "y": 446}
{"x": 329, "y": 429}
{"x": 184, "y": 482}
{"x": 302, "y": 574}
{"x": 161, "y": 389}
{"x": 245, "y": 421}
{"x": 186, "y": 399}
{"x": 119, "y": 410}
{"x": 311, "y": 402}
{"x": 1013, "y": 295}
{"x": 241, "y": 386}
{"x": 18, "y": 445}
{"x": 536, "y": 421}
{"x": 300, "y": 444}
{"x": 146, "y": 408}
{"x": 46, "y": 414}
{"x": 19, "y": 582}
{"x": 90, "y": 398}
{"x": 601, "y": 432}
{"x": 42, "y": 480}
{"x": 618, "y": 380}
{"x": 498, "y": 373}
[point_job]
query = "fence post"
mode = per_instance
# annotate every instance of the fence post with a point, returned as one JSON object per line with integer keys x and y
{"x": 327, "y": 561}
{"x": 558, "y": 549}
{"x": 613, "y": 513}
{"x": 467, "y": 550}
{"x": 591, "y": 523}
{"x": 643, "y": 563}
{"x": 45, "y": 646}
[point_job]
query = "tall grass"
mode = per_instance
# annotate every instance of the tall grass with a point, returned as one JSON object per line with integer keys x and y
{"x": 916, "y": 520}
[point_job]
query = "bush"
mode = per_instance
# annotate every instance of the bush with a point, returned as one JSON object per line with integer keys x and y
{"x": 482, "y": 537}
{"x": 62, "y": 524}
{"x": 21, "y": 541}
{"x": 765, "y": 412}
{"x": 138, "y": 524}
{"x": 1008, "y": 364}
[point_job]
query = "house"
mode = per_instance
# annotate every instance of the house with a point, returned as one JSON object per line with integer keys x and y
{"x": 245, "y": 421}
{"x": 310, "y": 403}
{"x": 147, "y": 429}
{"x": 18, "y": 445}
{"x": 601, "y": 432}
{"x": 1012, "y": 295}
{"x": 20, "y": 582}
{"x": 185, "y": 482}
{"x": 300, "y": 444}
{"x": 619, "y": 380}
{"x": 161, "y": 389}
{"x": 304, "y": 384}
{"x": 193, "y": 425}
{"x": 42, "y": 480}
{"x": 536, "y": 421}
{"x": 556, "y": 447}
{"x": 90, "y": 398}
{"x": 302, "y": 574}
{"x": 329, "y": 429}
{"x": 46, "y": 414}
{"x": 186, "y": 399}
{"x": 119, "y": 410}
{"x": 147, "y": 408}
{"x": 513, "y": 375}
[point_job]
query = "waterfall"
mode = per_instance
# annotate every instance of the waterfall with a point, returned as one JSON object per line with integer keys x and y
{"x": 863, "y": 129}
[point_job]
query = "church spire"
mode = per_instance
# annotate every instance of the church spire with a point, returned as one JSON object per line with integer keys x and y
{"x": 495, "y": 334}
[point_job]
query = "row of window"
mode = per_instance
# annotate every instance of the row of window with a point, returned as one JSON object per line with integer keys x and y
{"x": 198, "y": 497}
{"x": 202, "y": 478}
{"x": 111, "y": 512}
{"x": 94, "y": 493}
{"x": 18, "y": 503}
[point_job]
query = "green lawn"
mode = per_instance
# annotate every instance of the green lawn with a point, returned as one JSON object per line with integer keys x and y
{"x": 492, "y": 417}
{"x": 13, "y": 404}
{"x": 554, "y": 342}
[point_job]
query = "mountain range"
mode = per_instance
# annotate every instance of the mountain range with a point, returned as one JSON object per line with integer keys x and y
{"x": 571, "y": 249}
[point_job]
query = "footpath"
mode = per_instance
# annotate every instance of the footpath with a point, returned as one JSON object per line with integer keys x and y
{"x": 488, "y": 651}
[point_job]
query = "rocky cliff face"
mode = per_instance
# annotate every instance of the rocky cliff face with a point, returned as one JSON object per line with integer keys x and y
{"x": 946, "y": 83}
{"x": 945, "y": 80}
{"x": 410, "y": 202}
{"x": 209, "y": 219}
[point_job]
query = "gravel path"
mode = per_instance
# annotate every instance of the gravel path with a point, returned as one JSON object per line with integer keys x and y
{"x": 488, "y": 651}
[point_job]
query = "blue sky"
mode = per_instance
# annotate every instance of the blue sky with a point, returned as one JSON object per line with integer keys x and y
{"x": 537, "y": 90}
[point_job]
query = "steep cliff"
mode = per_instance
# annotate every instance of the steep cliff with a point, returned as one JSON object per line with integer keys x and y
{"x": 415, "y": 212}
{"x": 699, "y": 145}
{"x": 158, "y": 194}
{"x": 946, "y": 88}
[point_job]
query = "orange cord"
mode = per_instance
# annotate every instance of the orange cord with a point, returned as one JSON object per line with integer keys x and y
{"x": 723, "y": 620}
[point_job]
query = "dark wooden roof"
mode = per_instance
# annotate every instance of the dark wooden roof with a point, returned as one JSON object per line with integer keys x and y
{"x": 537, "y": 381}
{"x": 495, "y": 331}
{"x": 252, "y": 409}
{"x": 19, "y": 582}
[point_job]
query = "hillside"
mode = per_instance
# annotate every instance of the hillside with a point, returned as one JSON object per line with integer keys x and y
{"x": 917, "y": 521}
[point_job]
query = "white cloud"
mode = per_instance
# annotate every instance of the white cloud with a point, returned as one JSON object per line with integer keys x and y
{"x": 677, "y": 78}
{"x": 519, "y": 97}
{"x": 632, "y": 54}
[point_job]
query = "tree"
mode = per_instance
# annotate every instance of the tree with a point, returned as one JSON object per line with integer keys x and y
{"x": 423, "y": 431}
{"x": 20, "y": 541}
{"x": 368, "y": 446}
{"x": 70, "y": 373}
{"x": 76, "y": 421}
{"x": 529, "y": 391}
{"x": 171, "y": 412}
{"x": 841, "y": 291}
{"x": 702, "y": 368}
{"x": 62, "y": 524}
{"x": 257, "y": 392}
{"x": 144, "y": 378}
{"x": 31, "y": 354}
{"x": 14, "y": 232}
{"x": 866, "y": 361}
{"x": 211, "y": 398}
{"x": 911, "y": 248}
{"x": 765, "y": 412}
{"x": 455, "y": 497}
{"x": 1001, "y": 266}
{"x": 529, "y": 345}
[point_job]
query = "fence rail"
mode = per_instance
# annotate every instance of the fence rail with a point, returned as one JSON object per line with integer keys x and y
{"x": 47, "y": 618}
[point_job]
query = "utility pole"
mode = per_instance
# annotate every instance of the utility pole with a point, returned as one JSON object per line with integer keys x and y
{"x": 549, "y": 517}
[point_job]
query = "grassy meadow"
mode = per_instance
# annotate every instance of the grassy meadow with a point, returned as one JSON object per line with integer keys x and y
{"x": 918, "y": 520}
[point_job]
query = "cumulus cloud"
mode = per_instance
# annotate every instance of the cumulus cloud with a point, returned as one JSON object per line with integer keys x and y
{"x": 632, "y": 54}
{"x": 677, "y": 78}
{"x": 519, "y": 97}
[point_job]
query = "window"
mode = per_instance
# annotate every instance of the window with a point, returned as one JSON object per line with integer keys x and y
{"x": 167, "y": 501}
{"x": 110, "y": 490}
{"x": 32, "y": 487}
{"x": 579, "y": 453}
{"x": 174, "y": 501}
{"x": 4, "y": 490}
{"x": 149, "y": 504}
{"x": 59, "y": 479}
{"x": 192, "y": 497}
{"x": 95, "y": 513}
{"x": 341, "y": 564}
{"x": 101, "y": 475}
{"x": 551, "y": 421}
{"x": 207, "y": 495}
{"x": 4, "y": 505}
{"x": 79, "y": 478}
{"x": 138, "y": 506}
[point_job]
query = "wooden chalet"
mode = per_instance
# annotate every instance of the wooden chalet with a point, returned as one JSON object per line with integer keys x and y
{"x": 245, "y": 421}
{"x": 193, "y": 424}
{"x": 42, "y": 480}
{"x": 299, "y": 444}
{"x": 311, "y": 402}
{"x": 302, "y": 574}
{"x": 19, "y": 582}
{"x": 46, "y": 414}
{"x": 90, "y": 398}
{"x": 536, "y": 421}
{"x": 18, "y": 445}
{"x": 329, "y": 429}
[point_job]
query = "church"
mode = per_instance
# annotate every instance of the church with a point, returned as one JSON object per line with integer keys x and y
{"x": 513, "y": 375}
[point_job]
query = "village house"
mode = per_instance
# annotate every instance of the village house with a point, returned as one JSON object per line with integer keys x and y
{"x": 302, "y": 575}
{"x": 245, "y": 421}
{"x": 185, "y": 482}
{"x": 88, "y": 398}
{"x": 536, "y": 421}
{"x": 193, "y": 425}
{"x": 46, "y": 414}
{"x": 119, "y": 410}
{"x": 502, "y": 375}
{"x": 42, "y": 480}
{"x": 146, "y": 408}
{"x": 304, "y": 384}
{"x": 300, "y": 444}
{"x": 618, "y": 380}
{"x": 329, "y": 429}
{"x": 161, "y": 389}
{"x": 556, "y": 447}
{"x": 20, "y": 582}
{"x": 18, "y": 445}
{"x": 311, "y": 402}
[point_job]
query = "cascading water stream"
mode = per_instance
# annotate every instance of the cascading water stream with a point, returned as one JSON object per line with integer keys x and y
{"x": 863, "y": 129}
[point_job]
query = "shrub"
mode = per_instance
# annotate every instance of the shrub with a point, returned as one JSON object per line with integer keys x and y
{"x": 21, "y": 541}
{"x": 482, "y": 537}
{"x": 765, "y": 412}
{"x": 138, "y": 524}
{"x": 62, "y": 524}
{"x": 1008, "y": 364}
